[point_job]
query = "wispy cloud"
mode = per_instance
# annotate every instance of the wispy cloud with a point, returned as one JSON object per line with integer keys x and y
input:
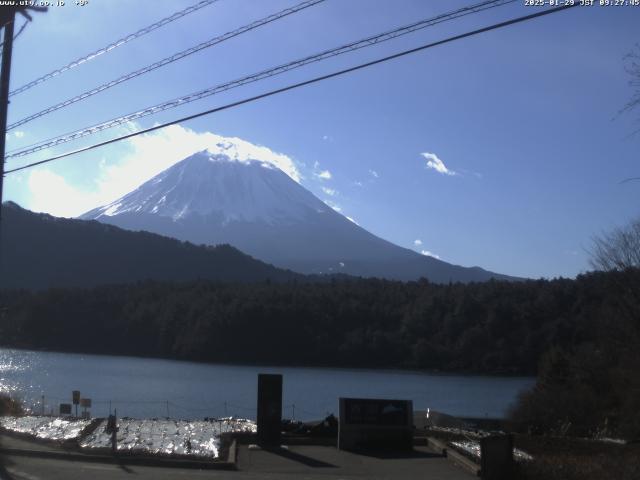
{"x": 434, "y": 163}
{"x": 319, "y": 173}
{"x": 470, "y": 172}
{"x": 333, "y": 205}
{"x": 418, "y": 243}
{"x": 374, "y": 174}
{"x": 14, "y": 134}
{"x": 329, "y": 191}
{"x": 351, "y": 220}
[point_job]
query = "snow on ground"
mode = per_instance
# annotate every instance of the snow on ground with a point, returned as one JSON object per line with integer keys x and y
{"x": 473, "y": 448}
{"x": 168, "y": 437}
{"x": 48, "y": 428}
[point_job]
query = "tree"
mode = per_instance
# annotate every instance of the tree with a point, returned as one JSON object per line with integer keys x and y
{"x": 618, "y": 249}
{"x": 632, "y": 67}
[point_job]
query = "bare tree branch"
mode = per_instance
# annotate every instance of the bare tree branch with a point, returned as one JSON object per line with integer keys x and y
{"x": 617, "y": 250}
{"x": 632, "y": 67}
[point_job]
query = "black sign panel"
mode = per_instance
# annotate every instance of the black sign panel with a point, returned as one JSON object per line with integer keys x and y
{"x": 76, "y": 397}
{"x": 269, "y": 408}
{"x": 375, "y": 424}
{"x": 65, "y": 409}
{"x": 360, "y": 411}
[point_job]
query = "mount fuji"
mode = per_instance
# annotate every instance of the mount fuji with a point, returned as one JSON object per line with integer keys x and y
{"x": 211, "y": 198}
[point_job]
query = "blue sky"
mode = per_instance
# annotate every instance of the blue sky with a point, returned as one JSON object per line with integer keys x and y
{"x": 503, "y": 150}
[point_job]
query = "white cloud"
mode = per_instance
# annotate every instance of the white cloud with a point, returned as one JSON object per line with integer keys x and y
{"x": 18, "y": 133}
{"x": 324, "y": 174}
{"x": 357, "y": 184}
{"x": 374, "y": 174}
{"x": 327, "y": 138}
{"x": 151, "y": 154}
{"x": 51, "y": 193}
{"x": 430, "y": 254}
{"x": 172, "y": 144}
{"x": 417, "y": 242}
{"x": 329, "y": 191}
{"x": 436, "y": 164}
{"x": 321, "y": 174}
{"x": 351, "y": 220}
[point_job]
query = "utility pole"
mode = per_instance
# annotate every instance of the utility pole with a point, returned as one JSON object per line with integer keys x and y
{"x": 8, "y": 17}
{"x": 7, "y": 21}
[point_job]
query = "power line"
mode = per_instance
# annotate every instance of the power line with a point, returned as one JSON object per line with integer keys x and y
{"x": 24, "y": 25}
{"x": 166, "y": 61}
{"x": 116, "y": 44}
{"x": 350, "y": 47}
{"x": 302, "y": 84}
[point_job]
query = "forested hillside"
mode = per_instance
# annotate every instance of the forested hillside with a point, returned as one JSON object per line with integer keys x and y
{"x": 41, "y": 251}
{"x": 493, "y": 327}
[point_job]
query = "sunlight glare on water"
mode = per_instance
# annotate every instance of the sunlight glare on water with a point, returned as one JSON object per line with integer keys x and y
{"x": 13, "y": 364}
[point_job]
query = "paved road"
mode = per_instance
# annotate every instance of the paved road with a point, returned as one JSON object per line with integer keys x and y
{"x": 303, "y": 462}
{"x": 29, "y": 468}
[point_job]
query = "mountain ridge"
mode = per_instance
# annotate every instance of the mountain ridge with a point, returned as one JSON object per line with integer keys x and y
{"x": 41, "y": 251}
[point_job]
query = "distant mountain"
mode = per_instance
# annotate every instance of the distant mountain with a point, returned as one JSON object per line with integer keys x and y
{"x": 41, "y": 251}
{"x": 210, "y": 198}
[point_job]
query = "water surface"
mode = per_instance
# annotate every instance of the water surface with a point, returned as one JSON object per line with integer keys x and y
{"x": 146, "y": 388}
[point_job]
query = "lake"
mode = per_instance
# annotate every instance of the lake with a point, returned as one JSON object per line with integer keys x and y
{"x": 142, "y": 387}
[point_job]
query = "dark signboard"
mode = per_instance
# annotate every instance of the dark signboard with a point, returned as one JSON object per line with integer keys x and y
{"x": 375, "y": 424}
{"x": 65, "y": 409}
{"x": 269, "y": 408}
{"x": 76, "y": 397}
{"x": 360, "y": 411}
{"x": 85, "y": 402}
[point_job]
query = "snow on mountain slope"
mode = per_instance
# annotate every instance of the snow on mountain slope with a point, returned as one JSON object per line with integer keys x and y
{"x": 206, "y": 184}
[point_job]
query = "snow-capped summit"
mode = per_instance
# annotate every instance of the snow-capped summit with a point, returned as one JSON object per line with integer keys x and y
{"x": 225, "y": 195}
{"x": 215, "y": 185}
